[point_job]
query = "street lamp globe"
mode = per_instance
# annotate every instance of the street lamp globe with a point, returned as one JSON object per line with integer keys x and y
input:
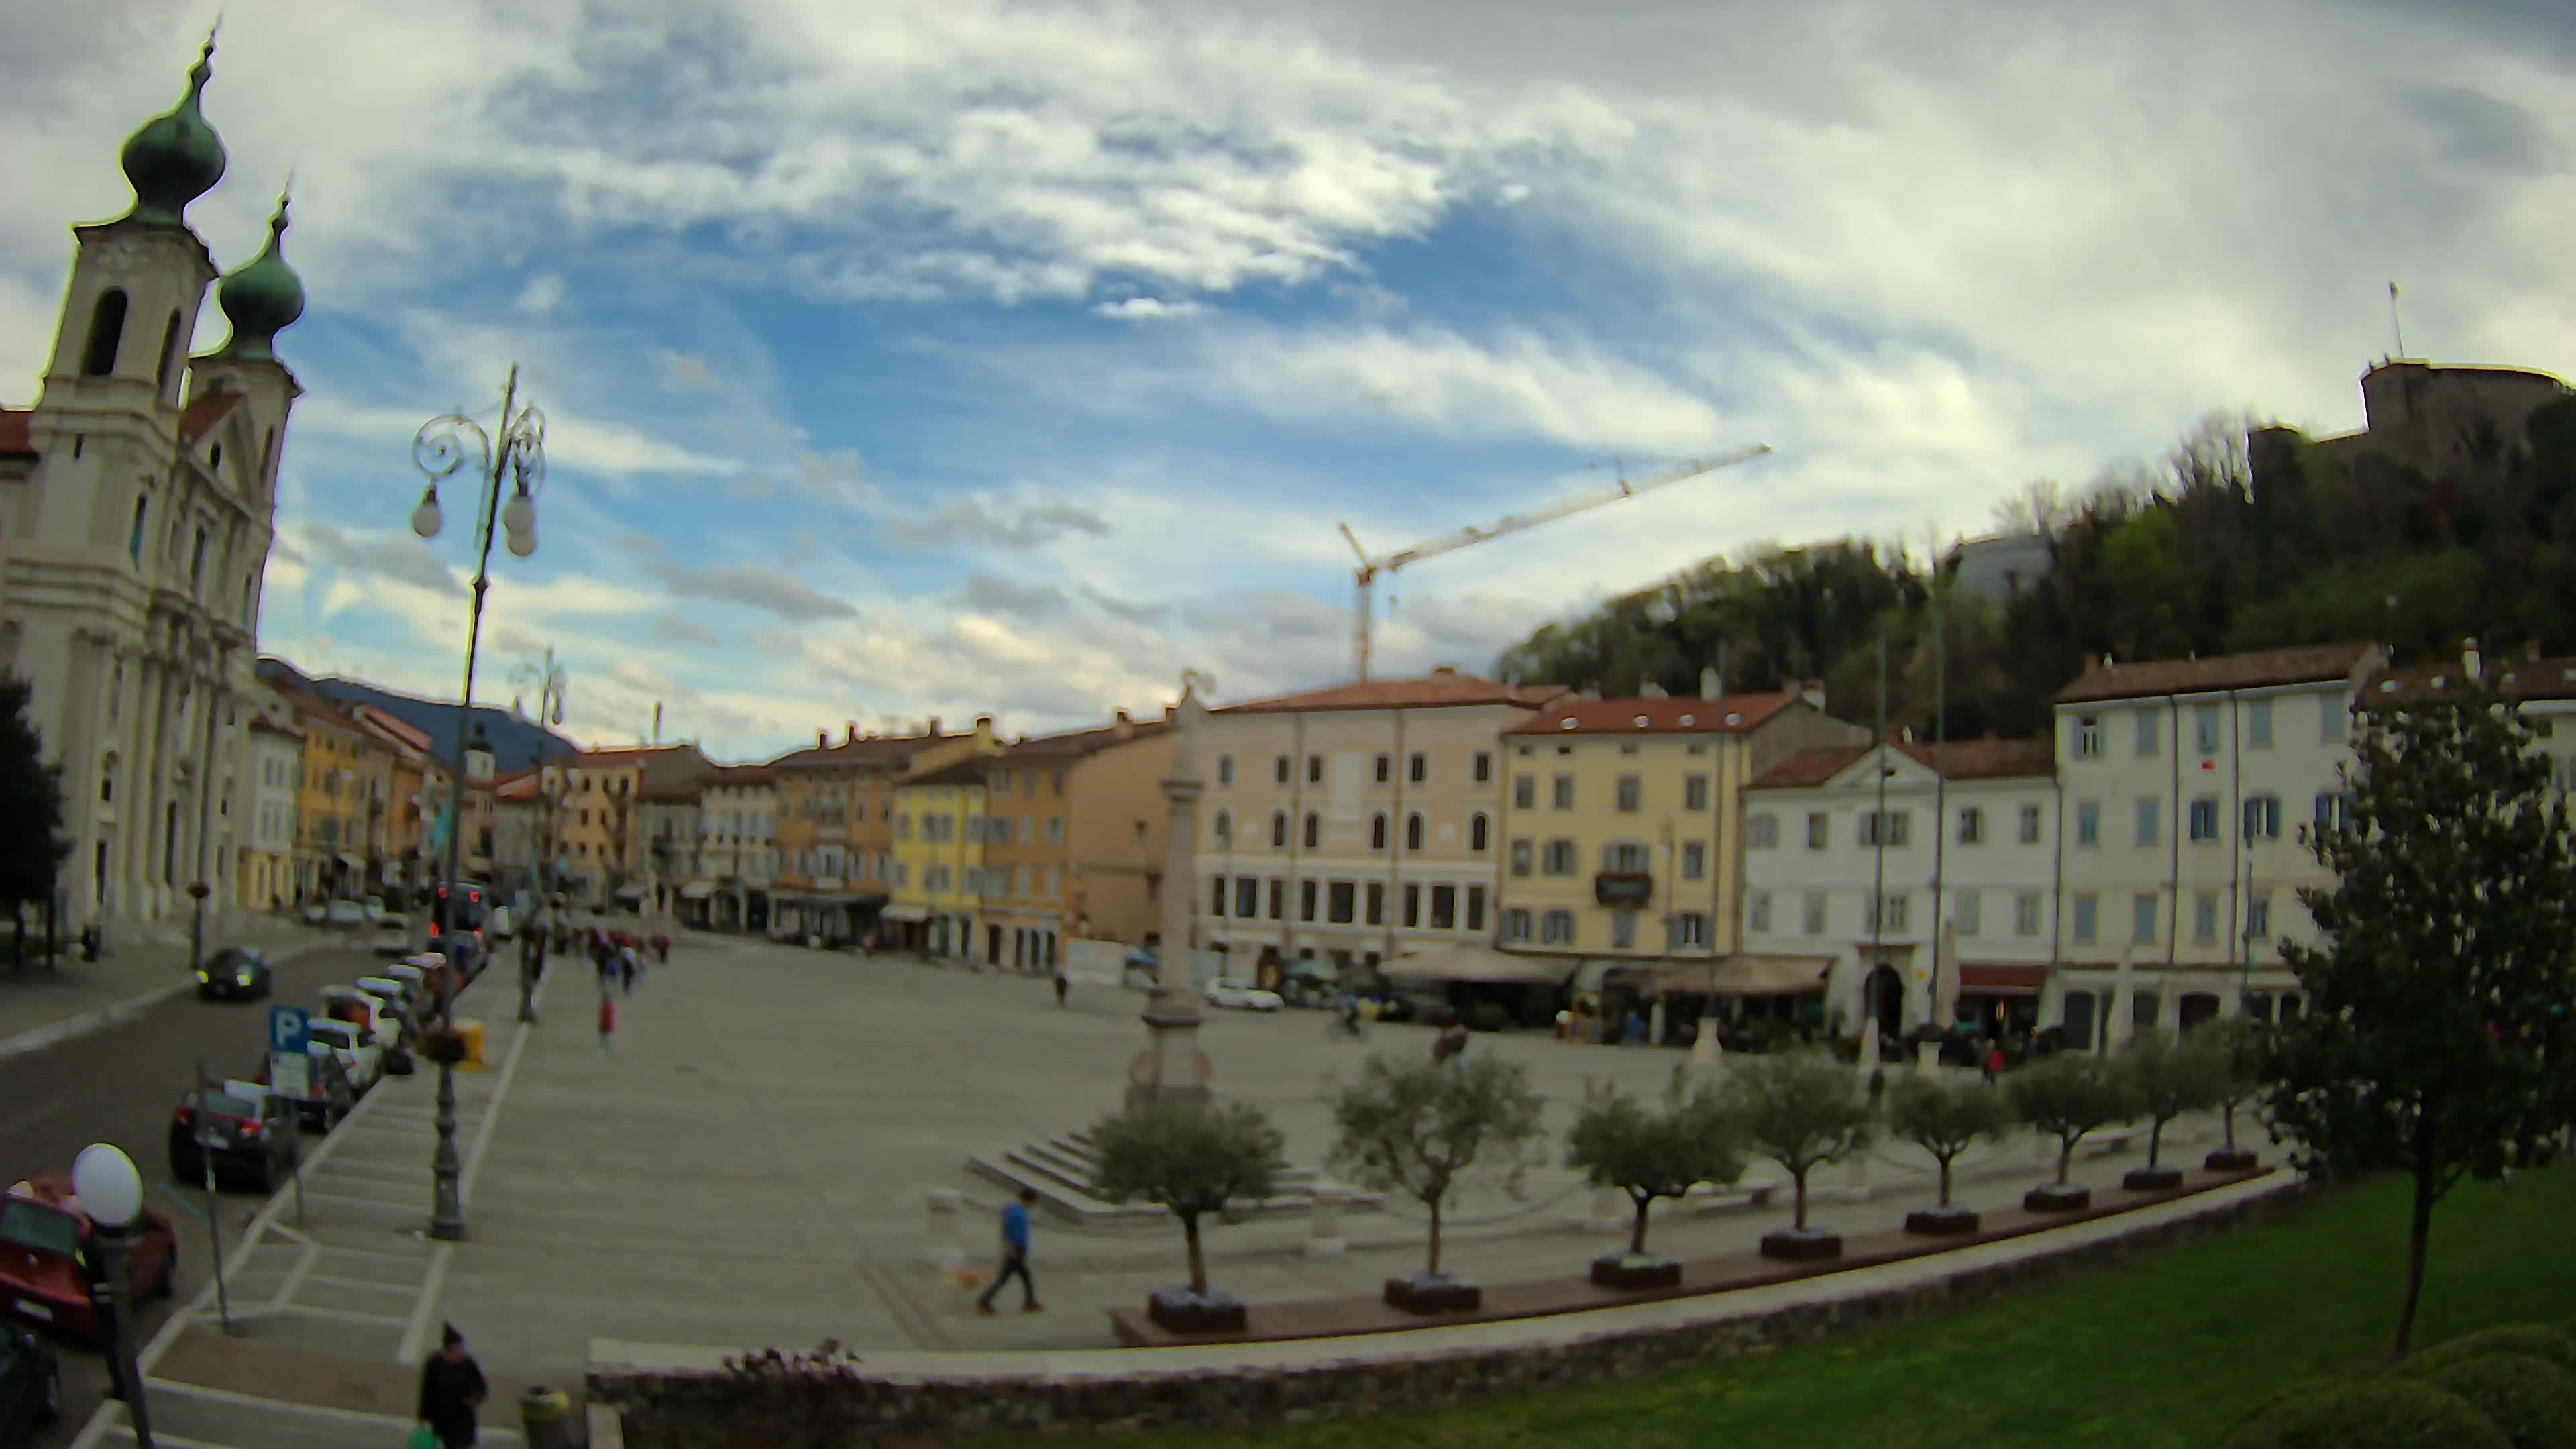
{"x": 109, "y": 1189}
{"x": 519, "y": 515}
{"x": 426, "y": 519}
{"x": 523, "y": 543}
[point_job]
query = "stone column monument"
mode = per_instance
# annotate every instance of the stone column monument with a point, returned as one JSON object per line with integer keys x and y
{"x": 1171, "y": 1068}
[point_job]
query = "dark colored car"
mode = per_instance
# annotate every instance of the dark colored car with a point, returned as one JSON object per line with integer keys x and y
{"x": 31, "y": 1386}
{"x": 235, "y": 973}
{"x": 328, "y": 1094}
{"x": 50, "y": 1272}
{"x": 252, "y": 1138}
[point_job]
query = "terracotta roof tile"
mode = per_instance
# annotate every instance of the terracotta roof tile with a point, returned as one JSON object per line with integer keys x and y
{"x": 1441, "y": 689}
{"x": 16, "y": 440}
{"x": 1571, "y": 716}
{"x": 2307, "y": 664}
{"x": 2523, "y": 677}
{"x": 1981, "y": 759}
{"x": 203, "y": 413}
{"x": 266, "y": 725}
{"x": 1075, "y": 744}
{"x": 876, "y": 750}
{"x": 738, "y": 777}
{"x": 973, "y": 770}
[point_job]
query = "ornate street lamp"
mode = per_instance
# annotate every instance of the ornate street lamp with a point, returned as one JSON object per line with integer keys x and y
{"x": 111, "y": 1193}
{"x": 511, "y": 460}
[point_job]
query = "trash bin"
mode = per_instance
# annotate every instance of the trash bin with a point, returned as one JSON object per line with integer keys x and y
{"x": 545, "y": 1418}
{"x": 471, "y": 1032}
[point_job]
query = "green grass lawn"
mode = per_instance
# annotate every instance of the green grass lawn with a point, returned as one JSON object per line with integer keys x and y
{"x": 2163, "y": 1352}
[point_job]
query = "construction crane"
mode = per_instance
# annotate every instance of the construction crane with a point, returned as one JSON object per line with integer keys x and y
{"x": 1370, "y": 569}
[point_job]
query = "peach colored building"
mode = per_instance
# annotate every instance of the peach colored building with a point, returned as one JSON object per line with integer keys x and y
{"x": 1351, "y": 824}
{"x": 1077, "y": 826}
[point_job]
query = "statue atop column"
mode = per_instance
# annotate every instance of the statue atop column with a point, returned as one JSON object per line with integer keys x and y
{"x": 1171, "y": 1066}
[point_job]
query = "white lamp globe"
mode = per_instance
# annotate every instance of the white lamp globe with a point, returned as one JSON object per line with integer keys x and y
{"x": 523, "y": 542}
{"x": 519, "y": 515}
{"x": 109, "y": 1188}
{"x": 425, "y": 519}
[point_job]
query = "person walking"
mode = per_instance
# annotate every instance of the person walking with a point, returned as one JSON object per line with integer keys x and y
{"x": 627, "y": 966}
{"x": 607, "y": 1022}
{"x": 1061, "y": 986}
{"x": 1015, "y": 1255}
{"x": 1994, "y": 1062}
{"x": 451, "y": 1389}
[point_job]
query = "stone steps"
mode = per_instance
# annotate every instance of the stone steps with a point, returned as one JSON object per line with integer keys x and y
{"x": 1060, "y": 1171}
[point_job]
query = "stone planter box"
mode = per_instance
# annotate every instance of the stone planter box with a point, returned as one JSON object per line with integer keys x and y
{"x": 1423, "y": 1293}
{"x": 1627, "y": 1275}
{"x": 1791, "y": 1246}
{"x": 2231, "y": 1159}
{"x": 2151, "y": 1179}
{"x": 2052, "y": 1198}
{"x": 1178, "y": 1310}
{"x": 1948, "y": 1222}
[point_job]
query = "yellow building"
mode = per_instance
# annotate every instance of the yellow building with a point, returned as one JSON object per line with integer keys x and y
{"x": 330, "y": 801}
{"x": 940, "y": 825}
{"x": 1622, "y": 825}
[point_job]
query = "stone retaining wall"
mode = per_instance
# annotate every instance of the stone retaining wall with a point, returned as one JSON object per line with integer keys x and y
{"x": 847, "y": 1403}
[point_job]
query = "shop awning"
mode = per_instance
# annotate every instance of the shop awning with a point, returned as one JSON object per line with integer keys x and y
{"x": 1467, "y": 962}
{"x": 906, "y": 911}
{"x": 697, "y": 890}
{"x": 1596, "y": 971}
{"x": 353, "y": 862}
{"x": 1746, "y": 975}
{"x": 2001, "y": 980}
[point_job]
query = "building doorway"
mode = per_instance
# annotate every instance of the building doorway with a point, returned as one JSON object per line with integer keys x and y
{"x": 1882, "y": 996}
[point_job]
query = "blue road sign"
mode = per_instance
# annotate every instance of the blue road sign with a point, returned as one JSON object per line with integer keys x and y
{"x": 286, "y": 1030}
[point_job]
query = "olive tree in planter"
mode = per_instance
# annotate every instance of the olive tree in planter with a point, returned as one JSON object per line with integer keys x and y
{"x": 2166, "y": 1079}
{"x": 2236, "y": 1045}
{"x": 1420, "y": 1128}
{"x": 2067, "y": 1096}
{"x": 1945, "y": 1117}
{"x": 1802, "y": 1110}
{"x": 1619, "y": 1141}
{"x": 1193, "y": 1159}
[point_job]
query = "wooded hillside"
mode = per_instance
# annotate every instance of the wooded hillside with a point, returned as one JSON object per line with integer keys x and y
{"x": 2182, "y": 556}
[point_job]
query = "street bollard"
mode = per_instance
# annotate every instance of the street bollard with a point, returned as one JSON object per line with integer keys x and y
{"x": 1324, "y": 1228}
{"x": 945, "y": 1249}
{"x": 545, "y": 1418}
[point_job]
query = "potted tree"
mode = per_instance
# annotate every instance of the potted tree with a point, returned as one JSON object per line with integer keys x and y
{"x": 1946, "y": 1117}
{"x": 1618, "y": 1141}
{"x": 1418, "y": 1128}
{"x": 2237, "y": 1045}
{"x": 1801, "y": 1109}
{"x": 2166, "y": 1078}
{"x": 2068, "y": 1096}
{"x": 1193, "y": 1159}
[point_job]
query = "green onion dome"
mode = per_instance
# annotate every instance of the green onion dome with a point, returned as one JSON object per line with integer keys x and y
{"x": 262, "y": 299}
{"x": 176, "y": 157}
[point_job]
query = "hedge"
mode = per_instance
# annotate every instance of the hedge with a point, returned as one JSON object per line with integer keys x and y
{"x": 2367, "y": 1414}
{"x": 2532, "y": 1400}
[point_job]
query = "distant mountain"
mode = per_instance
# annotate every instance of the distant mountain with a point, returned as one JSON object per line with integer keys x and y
{"x": 515, "y": 744}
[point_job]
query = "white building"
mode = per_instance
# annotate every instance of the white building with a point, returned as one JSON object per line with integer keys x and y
{"x": 2545, "y": 687}
{"x": 1818, "y": 852}
{"x": 267, "y": 874}
{"x": 136, "y": 505}
{"x": 2186, "y": 781}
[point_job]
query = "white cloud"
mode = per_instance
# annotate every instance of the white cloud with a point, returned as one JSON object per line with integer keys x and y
{"x": 1149, "y": 309}
{"x": 542, "y": 295}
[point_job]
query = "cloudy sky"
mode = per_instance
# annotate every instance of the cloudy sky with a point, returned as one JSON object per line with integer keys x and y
{"x": 908, "y": 359}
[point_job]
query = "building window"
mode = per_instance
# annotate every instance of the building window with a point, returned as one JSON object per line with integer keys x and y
{"x": 1556, "y": 928}
{"x": 1417, "y": 768}
{"x": 1377, "y": 831}
{"x": 1762, "y": 832}
{"x": 1341, "y": 903}
{"x": 1695, "y": 792}
{"x": 2026, "y": 908}
{"x": 1216, "y": 898}
{"x": 1972, "y": 825}
{"x": 1889, "y": 828}
{"x": 1225, "y": 769}
{"x": 2258, "y": 917}
{"x": 1314, "y": 830}
{"x": 2333, "y": 810}
{"x": 1314, "y": 769}
{"x": 1412, "y": 906}
{"x": 1564, "y": 792}
{"x": 1812, "y": 913}
{"x": 1632, "y": 794}
{"x": 2204, "y": 729}
{"x": 1520, "y": 857}
{"x": 2333, "y": 718}
{"x": 1883, "y": 913}
{"x": 2087, "y": 908}
{"x": 1278, "y": 898}
{"x": 2262, "y": 817}
{"x": 2204, "y": 917}
{"x": 1385, "y": 765}
{"x": 1279, "y": 770}
{"x": 1819, "y": 829}
{"x": 106, "y": 333}
{"x": 134, "y": 533}
{"x": 1559, "y": 859}
{"x": 2150, "y": 821}
{"x": 1247, "y": 897}
{"x": 2088, "y": 737}
{"x": 1224, "y": 829}
{"x": 197, "y": 565}
{"x": 2088, "y": 822}
{"x": 1524, "y": 792}
{"x": 1306, "y": 900}
{"x": 1757, "y": 911}
{"x": 170, "y": 363}
{"x": 1479, "y": 832}
{"x": 1377, "y": 903}
{"x": 1413, "y": 831}
{"x": 2142, "y": 919}
{"x": 1278, "y": 830}
{"x": 1690, "y": 928}
{"x": 2149, "y": 727}
{"x": 1968, "y": 909}
{"x": 1480, "y": 769}
{"x": 1694, "y": 860}
{"x": 1623, "y": 930}
{"x": 2030, "y": 825}
{"x": 1516, "y": 924}
{"x": 1475, "y": 908}
{"x": 1444, "y": 908}
{"x": 2202, "y": 822}
{"x": 2258, "y": 724}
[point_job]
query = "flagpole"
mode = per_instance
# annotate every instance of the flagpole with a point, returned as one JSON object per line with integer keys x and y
{"x": 2394, "y": 325}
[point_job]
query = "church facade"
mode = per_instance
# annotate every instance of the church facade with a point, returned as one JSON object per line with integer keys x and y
{"x": 137, "y": 506}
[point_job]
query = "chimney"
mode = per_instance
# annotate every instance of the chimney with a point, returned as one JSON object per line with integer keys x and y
{"x": 1122, "y": 726}
{"x": 1709, "y": 688}
{"x": 851, "y": 729}
{"x": 1444, "y": 671}
{"x": 1650, "y": 690}
{"x": 983, "y": 726}
{"x": 1812, "y": 691}
{"x": 2469, "y": 657}
{"x": 932, "y": 729}
{"x": 822, "y": 738}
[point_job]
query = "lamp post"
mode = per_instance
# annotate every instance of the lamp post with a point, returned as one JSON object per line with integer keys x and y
{"x": 510, "y": 458}
{"x": 111, "y": 1193}
{"x": 548, "y": 682}
{"x": 1171, "y": 1067}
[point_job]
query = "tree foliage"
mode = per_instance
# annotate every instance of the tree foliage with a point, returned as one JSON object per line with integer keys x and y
{"x": 2168, "y": 1077}
{"x": 1421, "y": 1128}
{"x": 2187, "y": 554}
{"x": 31, "y": 801}
{"x": 1192, "y": 1159}
{"x": 1801, "y": 1109}
{"x": 2069, "y": 1095}
{"x": 1945, "y": 1117}
{"x": 2239, "y": 1049}
{"x": 2437, "y": 1040}
{"x": 1648, "y": 1152}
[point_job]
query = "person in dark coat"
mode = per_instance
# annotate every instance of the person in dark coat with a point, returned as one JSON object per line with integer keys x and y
{"x": 451, "y": 1389}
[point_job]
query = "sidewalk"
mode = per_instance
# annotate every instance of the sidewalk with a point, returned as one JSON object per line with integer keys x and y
{"x": 39, "y": 1007}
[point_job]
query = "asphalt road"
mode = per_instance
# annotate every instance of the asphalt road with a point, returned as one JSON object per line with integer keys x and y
{"x": 120, "y": 1085}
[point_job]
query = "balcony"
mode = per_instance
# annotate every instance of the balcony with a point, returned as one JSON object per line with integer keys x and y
{"x": 1623, "y": 889}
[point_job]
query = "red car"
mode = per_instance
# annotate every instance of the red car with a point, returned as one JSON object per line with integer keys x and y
{"x": 48, "y": 1268}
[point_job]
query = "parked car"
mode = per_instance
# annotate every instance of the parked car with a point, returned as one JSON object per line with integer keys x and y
{"x": 248, "y": 1131}
{"x": 1241, "y": 996}
{"x": 364, "y": 1062}
{"x": 501, "y": 924}
{"x": 235, "y": 973}
{"x": 31, "y": 1386}
{"x": 328, "y": 1093}
{"x": 47, "y": 1272}
{"x": 393, "y": 936}
{"x": 345, "y": 915}
{"x": 377, "y": 1026}
{"x": 424, "y": 975}
{"x": 315, "y": 913}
